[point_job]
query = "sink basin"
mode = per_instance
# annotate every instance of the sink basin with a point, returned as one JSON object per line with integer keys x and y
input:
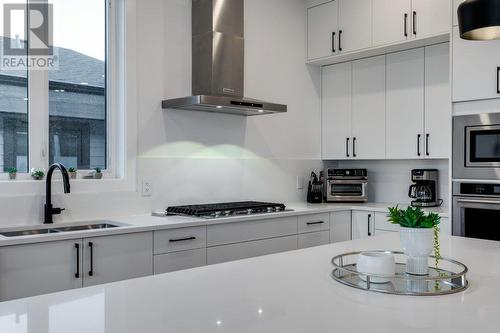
{"x": 29, "y": 232}
{"x": 87, "y": 227}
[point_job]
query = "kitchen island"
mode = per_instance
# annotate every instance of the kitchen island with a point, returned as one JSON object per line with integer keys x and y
{"x": 285, "y": 292}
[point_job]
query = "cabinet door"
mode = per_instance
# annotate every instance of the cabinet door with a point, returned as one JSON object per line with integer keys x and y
{"x": 405, "y": 104}
{"x": 340, "y": 226}
{"x": 368, "y": 108}
{"x": 322, "y": 28}
{"x": 119, "y": 257}
{"x": 445, "y": 226}
{"x": 355, "y": 25}
{"x": 475, "y": 68}
{"x": 363, "y": 224}
{"x": 336, "y": 111}
{"x": 431, "y": 17}
{"x": 382, "y": 223}
{"x": 389, "y": 19}
{"x": 35, "y": 269}
{"x": 175, "y": 261}
{"x": 311, "y": 239}
{"x": 437, "y": 101}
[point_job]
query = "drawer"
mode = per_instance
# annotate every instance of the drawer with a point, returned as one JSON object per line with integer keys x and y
{"x": 181, "y": 239}
{"x": 176, "y": 261}
{"x": 244, "y": 250}
{"x": 314, "y": 239}
{"x": 315, "y": 222}
{"x": 220, "y": 234}
{"x": 381, "y": 223}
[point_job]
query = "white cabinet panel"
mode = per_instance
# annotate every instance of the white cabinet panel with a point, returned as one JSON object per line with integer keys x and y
{"x": 315, "y": 222}
{"x": 176, "y": 261}
{"x": 389, "y": 21}
{"x": 368, "y": 108}
{"x": 437, "y": 101}
{"x": 340, "y": 226}
{"x": 405, "y": 104}
{"x": 250, "y": 230}
{"x": 382, "y": 232}
{"x": 431, "y": 17}
{"x": 355, "y": 25}
{"x": 118, "y": 257}
{"x": 382, "y": 223}
{"x": 166, "y": 241}
{"x": 336, "y": 111}
{"x": 35, "y": 269}
{"x": 313, "y": 239}
{"x": 445, "y": 226}
{"x": 456, "y": 3}
{"x": 475, "y": 68}
{"x": 244, "y": 250}
{"x": 363, "y": 224}
{"x": 321, "y": 24}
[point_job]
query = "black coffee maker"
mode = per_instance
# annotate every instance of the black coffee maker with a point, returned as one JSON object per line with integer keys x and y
{"x": 425, "y": 188}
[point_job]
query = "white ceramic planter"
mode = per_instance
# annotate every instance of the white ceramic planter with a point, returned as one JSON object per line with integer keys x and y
{"x": 417, "y": 244}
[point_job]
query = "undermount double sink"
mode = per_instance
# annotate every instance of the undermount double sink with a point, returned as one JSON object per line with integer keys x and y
{"x": 52, "y": 230}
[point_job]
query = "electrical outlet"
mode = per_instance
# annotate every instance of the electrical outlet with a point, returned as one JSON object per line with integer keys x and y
{"x": 147, "y": 187}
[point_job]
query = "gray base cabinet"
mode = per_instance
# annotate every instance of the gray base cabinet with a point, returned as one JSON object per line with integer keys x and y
{"x": 35, "y": 269}
{"x": 340, "y": 226}
{"x": 114, "y": 258}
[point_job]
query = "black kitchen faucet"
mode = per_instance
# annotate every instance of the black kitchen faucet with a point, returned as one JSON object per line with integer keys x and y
{"x": 49, "y": 210}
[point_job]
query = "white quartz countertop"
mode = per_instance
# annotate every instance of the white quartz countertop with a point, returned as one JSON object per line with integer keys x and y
{"x": 140, "y": 223}
{"x": 286, "y": 292}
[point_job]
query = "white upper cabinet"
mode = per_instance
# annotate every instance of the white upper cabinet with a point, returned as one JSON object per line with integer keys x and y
{"x": 391, "y": 21}
{"x": 430, "y": 17}
{"x": 368, "y": 108}
{"x": 405, "y": 104}
{"x": 437, "y": 101}
{"x": 355, "y": 24}
{"x": 322, "y": 30}
{"x": 475, "y": 69}
{"x": 336, "y": 111}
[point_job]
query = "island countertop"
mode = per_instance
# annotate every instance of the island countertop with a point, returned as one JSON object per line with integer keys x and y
{"x": 285, "y": 292}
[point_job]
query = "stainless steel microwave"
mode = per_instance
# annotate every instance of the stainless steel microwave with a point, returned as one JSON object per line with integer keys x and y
{"x": 476, "y": 146}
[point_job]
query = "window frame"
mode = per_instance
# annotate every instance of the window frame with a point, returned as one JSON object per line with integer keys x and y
{"x": 121, "y": 114}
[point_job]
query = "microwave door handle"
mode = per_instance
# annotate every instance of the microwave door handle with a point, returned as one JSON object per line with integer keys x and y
{"x": 410, "y": 191}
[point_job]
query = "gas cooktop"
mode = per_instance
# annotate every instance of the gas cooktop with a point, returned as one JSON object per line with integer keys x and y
{"x": 227, "y": 209}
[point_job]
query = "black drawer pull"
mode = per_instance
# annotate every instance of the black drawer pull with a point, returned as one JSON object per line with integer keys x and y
{"x": 340, "y": 40}
{"x": 181, "y": 239}
{"x": 406, "y": 24}
{"x": 347, "y": 147}
{"x": 427, "y": 145}
{"x": 415, "y": 23}
{"x": 418, "y": 144}
{"x": 77, "y": 274}
{"x": 369, "y": 218}
{"x": 498, "y": 79}
{"x": 317, "y": 222}
{"x": 91, "y": 271}
{"x": 333, "y": 42}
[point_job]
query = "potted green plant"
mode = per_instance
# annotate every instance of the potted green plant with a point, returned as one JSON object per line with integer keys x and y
{"x": 72, "y": 172}
{"x": 419, "y": 236}
{"x": 37, "y": 174}
{"x": 12, "y": 173}
{"x": 97, "y": 173}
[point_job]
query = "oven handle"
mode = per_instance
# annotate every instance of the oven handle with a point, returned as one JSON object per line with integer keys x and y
{"x": 348, "y": 181}
{"x": 495, "y": 202}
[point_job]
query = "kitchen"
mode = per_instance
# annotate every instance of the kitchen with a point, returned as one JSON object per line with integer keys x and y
{"x": 395, "y": 92}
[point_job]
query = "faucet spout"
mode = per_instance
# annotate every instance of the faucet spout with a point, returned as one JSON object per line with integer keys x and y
{"x": 49, "y": 210}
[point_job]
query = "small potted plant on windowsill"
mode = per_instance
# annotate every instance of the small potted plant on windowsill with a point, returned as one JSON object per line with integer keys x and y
{"x": 12, "y": 173}
{"x": 72, "y": 172}
{"x": 37, "y": 174}
{"x": 97, "y": 173}
{"x": 419, "y": 236}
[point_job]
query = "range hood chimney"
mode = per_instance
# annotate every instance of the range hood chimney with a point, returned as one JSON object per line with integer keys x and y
{"x": 218, "y": 62}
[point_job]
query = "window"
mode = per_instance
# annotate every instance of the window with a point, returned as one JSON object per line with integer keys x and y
{"x": 60, "y": 114}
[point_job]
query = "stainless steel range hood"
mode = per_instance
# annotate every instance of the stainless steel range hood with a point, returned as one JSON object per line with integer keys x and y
{"x": 218, "y": 62}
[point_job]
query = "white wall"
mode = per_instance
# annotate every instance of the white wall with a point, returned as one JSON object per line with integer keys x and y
{"x": 388, "y": 181}
{"x": 199, "y": 157}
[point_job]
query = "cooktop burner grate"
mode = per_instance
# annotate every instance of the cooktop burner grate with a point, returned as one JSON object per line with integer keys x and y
{"x": 226, "y": 209}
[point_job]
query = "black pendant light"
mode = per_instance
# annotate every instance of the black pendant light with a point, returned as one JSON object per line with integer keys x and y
{"x": 479, "y": 19}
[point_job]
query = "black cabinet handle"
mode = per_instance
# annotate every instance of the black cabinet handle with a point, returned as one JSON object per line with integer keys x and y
{"x": 406, "y": 24}
{"x": 347, "y": 147}
{"x": 418, "y": 144}
{"x": 182, "y": 239}
{"x": 340, "y": 40}
{"x": 91, "y": 246}
{"x": 353, "y": 147}
{"x": 415, "y": 23}
{"x": 369, "y": 218}
{"x": 333, "y": 42}
{"x": 313, "y": 223}
{"x": 77, "y": 274}
{"x": 498, "y": 79}
{"x": 427, "y": 144}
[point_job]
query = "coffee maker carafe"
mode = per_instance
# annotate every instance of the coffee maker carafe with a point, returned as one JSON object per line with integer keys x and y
{"x": 424, "y": 189}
